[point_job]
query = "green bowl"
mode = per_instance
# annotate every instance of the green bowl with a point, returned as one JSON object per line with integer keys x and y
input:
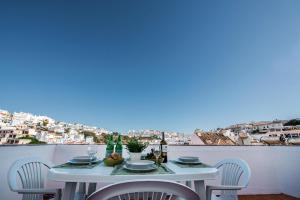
{"x": 111, "y": 162}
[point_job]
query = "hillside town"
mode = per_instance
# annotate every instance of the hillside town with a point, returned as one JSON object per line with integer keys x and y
{"x": 26, "y": 128}
{"x": 276, "y": 132}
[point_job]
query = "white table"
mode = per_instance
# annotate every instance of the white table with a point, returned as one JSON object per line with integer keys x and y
{"x": 102, "y": 174}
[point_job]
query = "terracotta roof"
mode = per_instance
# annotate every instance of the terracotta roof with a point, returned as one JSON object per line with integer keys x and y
{"x": 211, "y": 138}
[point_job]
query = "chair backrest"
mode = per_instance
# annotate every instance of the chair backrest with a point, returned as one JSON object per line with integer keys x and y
{"x": 144, "y": 190}
{"x": 30, "y": 172}
{"x": 234, "y": 172}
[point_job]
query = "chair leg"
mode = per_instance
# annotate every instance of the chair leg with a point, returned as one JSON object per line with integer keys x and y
{"x": 69, "y": 191}
{"x": 200, "y": 189}
{"x": 189, "y": 184}
{"x": 58, "y": 194}
{"x": 92, "y": 188}
{"x": 208, "y": 195}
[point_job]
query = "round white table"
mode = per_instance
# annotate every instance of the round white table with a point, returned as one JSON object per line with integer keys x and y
{"x": 102, "y": 174}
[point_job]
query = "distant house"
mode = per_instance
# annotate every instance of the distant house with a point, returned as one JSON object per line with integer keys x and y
{"x": 8, "y": 136}
{"x": 89, "y": 140}
{"x": 267, "y": 126}
{"x": 214, "y": 138}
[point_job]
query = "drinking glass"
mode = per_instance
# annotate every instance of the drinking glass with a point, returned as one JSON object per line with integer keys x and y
{"x": 91, "y": 151}
{"x": 156, "y": 154}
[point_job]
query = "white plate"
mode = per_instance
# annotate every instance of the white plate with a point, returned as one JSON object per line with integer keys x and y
{"x": 76, "y": 162}
{"x": 83, "y": 158}
{"x": 151, "y": 168}
{"x": 188, "y": 159}
{"x": 139, "y": 163}
{"x": 188, "y": 163}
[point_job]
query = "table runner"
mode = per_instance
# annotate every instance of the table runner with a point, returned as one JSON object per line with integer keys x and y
{"x": 72, "y": 166}
{"x": 201, "y": 165}
{"x": 162, "y": 169}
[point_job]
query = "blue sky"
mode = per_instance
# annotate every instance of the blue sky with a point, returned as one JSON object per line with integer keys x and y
{"x": 167, "y": 65}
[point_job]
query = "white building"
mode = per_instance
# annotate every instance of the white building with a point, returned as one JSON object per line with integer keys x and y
{"x": 264, "y": 127}
{"x": 89, "y": 140}
{"x": 8, "y": 135}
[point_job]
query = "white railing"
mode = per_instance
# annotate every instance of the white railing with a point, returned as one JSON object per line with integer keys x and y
{"x": 275, "y": 169}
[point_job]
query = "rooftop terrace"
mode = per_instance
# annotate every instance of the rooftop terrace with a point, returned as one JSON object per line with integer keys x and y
{"x": 275, "y": 169}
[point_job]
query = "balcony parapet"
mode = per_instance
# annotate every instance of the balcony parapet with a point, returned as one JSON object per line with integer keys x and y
{"x": 275, "y": 169}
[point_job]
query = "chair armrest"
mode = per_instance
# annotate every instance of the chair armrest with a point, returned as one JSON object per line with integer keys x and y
{"x": 38, "y": 191}
{"x": 224, "y": 187}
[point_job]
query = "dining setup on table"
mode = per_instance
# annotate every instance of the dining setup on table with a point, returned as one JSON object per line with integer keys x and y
{"x": 152, "y": 175}
{"x": 155, "y": 165}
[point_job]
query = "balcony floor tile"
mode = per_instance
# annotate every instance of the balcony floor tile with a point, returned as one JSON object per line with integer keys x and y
{"x": 267, "y": 197}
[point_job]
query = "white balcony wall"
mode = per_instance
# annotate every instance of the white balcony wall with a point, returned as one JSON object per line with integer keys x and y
{"x": 275, "y": 169}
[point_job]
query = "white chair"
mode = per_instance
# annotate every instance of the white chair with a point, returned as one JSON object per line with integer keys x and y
{"x": 235, "y": 175}
{"x": 26, "y": 176}
{"x": 144, "y": 190}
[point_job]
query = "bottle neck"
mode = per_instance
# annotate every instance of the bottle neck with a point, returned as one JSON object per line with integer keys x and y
{"x": 163, "y": 136}
{"x": 119, "y": 141}
{"x": 111, "y": 140}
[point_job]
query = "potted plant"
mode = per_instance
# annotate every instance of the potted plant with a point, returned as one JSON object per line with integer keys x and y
{"x": 135, "y": 148}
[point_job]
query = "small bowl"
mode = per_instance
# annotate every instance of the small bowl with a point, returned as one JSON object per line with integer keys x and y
{"x": 188, "y": 159}
{"x": 141, "y": 164}
{"x": 112, "y": 162}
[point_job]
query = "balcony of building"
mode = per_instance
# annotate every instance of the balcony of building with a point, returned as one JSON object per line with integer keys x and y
{"x": 275, "y": 169}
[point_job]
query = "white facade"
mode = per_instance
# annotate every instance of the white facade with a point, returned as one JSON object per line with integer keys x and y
{"x": 268, "y": 125}
{"x": 89, "y": 140}
{"x": 8, "y": 135}
{"x": 231, "y": 135}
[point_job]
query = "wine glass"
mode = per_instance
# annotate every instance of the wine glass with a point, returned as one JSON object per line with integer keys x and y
{"x": 156, "y": 154}
{"x": 91, "y": 151}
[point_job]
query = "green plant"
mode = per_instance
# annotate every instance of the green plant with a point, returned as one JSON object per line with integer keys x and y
{"x": 293, "y": 122}
{"x": 134, "y": 146}
{"x": 45, "y": 122}
{"x": 92, "y": 134}
{"x": 33, "y": 140}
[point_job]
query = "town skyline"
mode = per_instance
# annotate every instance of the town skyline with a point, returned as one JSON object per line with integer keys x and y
{"x": 28, "y": 128}
{"x": 145, "y": 128}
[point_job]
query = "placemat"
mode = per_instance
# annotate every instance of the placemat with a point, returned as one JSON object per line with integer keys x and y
{"x": 201, "y": 165}
{"x": 162, "y": 169}
{"x": 72, "y": 166}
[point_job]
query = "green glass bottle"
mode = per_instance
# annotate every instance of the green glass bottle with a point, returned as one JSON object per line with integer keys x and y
{"x": 119, "y": 145}
{"x": 109, "y": 146}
